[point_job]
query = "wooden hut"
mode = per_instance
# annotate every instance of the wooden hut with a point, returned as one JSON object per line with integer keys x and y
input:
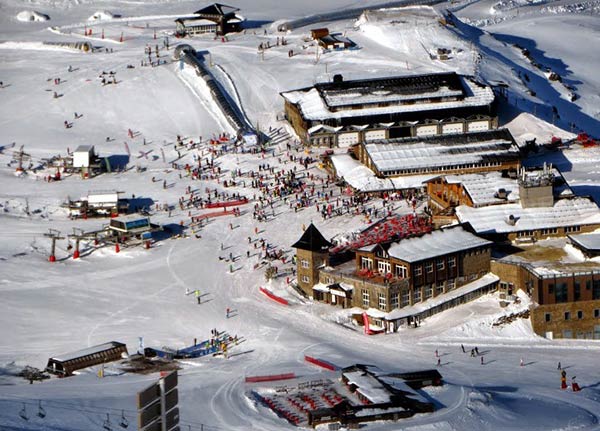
{"x": 64, "y": 365}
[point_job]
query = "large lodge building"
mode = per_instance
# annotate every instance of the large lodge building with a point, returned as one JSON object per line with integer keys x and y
{"x": 400, "y": 282}
{"x": 343, "y": 113}
{"x": 439, "y": 132}
{"x": 493, "y": 150}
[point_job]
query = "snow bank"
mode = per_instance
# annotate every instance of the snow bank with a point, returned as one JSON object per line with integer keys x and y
{"x": 526, "y": 127}
{"x": 101, "y": 15}
{"x": 31, "y": 15}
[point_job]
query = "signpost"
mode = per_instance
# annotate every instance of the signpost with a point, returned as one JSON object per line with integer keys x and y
{"x": 157, "y": 405}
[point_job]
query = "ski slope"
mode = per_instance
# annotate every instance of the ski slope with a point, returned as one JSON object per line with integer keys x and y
{"x": 47, "y": 309}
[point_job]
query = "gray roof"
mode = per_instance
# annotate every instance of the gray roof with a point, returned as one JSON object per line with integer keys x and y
{"x": 586, "y": 241}
{"x": 448, "y": 151}
{"x": 436, "y": 243}
{"x": 87, "y": 351}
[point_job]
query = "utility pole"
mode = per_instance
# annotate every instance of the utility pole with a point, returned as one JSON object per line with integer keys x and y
{"x": 78, "y": 234}
{"x": 54, "y": 235}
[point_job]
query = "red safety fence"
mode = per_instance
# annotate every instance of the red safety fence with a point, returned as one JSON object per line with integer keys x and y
{"x": 273, "y": 296}
{"x": 213, "y": 214}
{"x": 320, "y": 363}
{"x": 271, "y": 378}
{"x": 226, "y": 204}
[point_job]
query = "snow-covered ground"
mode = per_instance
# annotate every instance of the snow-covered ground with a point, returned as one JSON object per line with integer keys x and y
{"x": 47, "y": 309}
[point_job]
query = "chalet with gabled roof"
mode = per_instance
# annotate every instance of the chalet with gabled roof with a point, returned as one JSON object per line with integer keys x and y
{"x": 217, "y": 18}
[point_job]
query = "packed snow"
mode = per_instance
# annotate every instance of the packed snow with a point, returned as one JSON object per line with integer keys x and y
{"x": 51, "y": 308}
{"x": 31, "y": 15}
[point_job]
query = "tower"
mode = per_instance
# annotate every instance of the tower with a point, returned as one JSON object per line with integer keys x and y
{"x": 536, "y": 188}
{"x": 312, "y": 252}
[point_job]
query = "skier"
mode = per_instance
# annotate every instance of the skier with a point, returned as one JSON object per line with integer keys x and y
{"x": 476, "y": 351}
{"x": 463, "y": 348}
{"x": 482, "y": 360}
{"x": 559, "y": 367}
{"x": 436, "y": 354}
{"x": 227, "y": 312}
{"x": 521, "y": 363}
{"x": 198, "y": 297}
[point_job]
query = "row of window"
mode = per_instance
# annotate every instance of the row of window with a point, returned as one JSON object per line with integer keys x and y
{"x": 560, "y": 290}
{"x": 548, "y": 231}
{"x": 567, "y": 315}
{"x": 401, "y": 271}
{"x": 402, "y": 300}
{"x": 441, "y": 168}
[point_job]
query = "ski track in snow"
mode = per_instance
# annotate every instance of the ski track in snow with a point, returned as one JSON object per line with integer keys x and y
{"x": 49, "y": 309}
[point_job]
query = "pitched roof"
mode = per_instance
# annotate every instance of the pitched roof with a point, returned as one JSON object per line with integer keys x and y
{"x": 497, "y": 218}
{"x": 400, "y": 95}
{"x": 217, "y": 9}
{"x": 312, "y": 240}
{"x": 586, "y": 241}
{"x": 434, "y": 244}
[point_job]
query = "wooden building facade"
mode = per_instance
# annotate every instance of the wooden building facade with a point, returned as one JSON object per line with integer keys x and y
{"x": 65, "y": 365}
{"x": 217, "y": 18}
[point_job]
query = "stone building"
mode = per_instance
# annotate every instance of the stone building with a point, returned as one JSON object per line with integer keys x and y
{"x": 566, "y": 298}
{"x": 421, "y": 275}
{"x": 312, "y": 253}
{"x": 538, "y": 204}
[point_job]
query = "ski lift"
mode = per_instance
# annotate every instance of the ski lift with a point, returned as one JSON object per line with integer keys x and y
{"x": 41, "y": 411}
{"x": 23, "y": 413}
{"x": 107, "y": 425}
{"x": 124, "y": 422}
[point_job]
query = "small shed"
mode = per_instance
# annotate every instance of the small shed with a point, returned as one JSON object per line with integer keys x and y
{"x": 131, "y": 225}
{"x": 318, "y": 33}
{"x": 83, "y": 156}
{"x": 64, "y": 365}
{"x": 334, "y": 41}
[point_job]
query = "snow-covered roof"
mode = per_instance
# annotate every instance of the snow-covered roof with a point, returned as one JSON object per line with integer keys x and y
{"x": 195, "y": 21}
{"x": 564, "y": 212}
{"x": 315, "y": 104}
{"x": 435, "y": 243}
{"x": 369, "y": 386}
{"x": 421, "y": 307}
{"x": 436, "y": 152}
{"x": 587, "y": 241}
{"x": 482, "y": 187}
{"x": 364, "y": 179}
{"x": 87, "y": 351}
{"x": 321, "y": 287}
